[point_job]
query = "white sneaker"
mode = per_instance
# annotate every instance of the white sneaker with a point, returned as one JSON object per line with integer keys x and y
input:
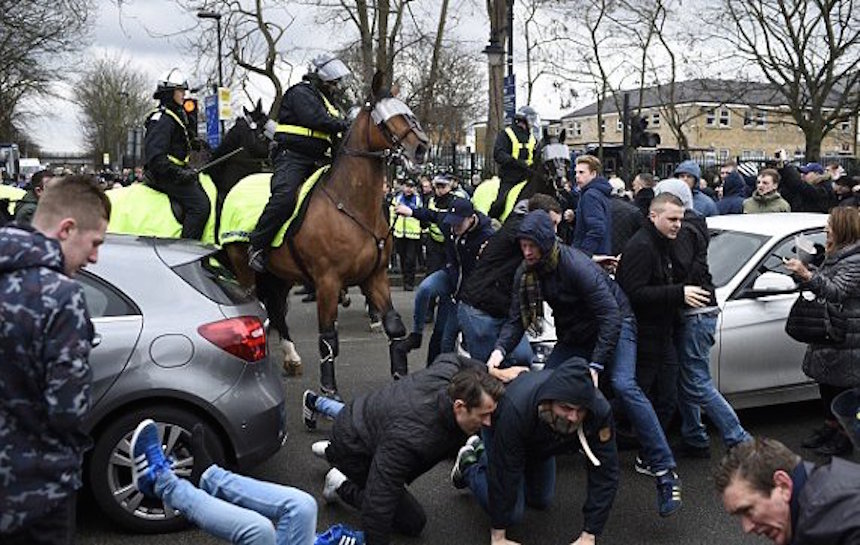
{"x": 319, "y": 448}
{"x": 333, "y": 480}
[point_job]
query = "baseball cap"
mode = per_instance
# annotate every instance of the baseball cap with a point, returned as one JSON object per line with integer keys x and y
{"x": 460, "y": 210}
{"x": 812, "y": 167}
{"x": 409, "y": 181}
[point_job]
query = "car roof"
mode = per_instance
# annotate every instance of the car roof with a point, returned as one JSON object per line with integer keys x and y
{"x": 172, "y": 251}
{"x": 773, "y": 224}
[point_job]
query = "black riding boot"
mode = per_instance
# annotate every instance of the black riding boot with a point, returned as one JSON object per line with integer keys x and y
{"x": 328, "y": 384}
{"x": 399, "y": 350}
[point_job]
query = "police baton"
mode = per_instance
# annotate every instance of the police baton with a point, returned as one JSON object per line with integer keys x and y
{"x": 219, "y": 160}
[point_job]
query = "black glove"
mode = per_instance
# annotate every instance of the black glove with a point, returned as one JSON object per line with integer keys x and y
{"x": 188, "y": 176}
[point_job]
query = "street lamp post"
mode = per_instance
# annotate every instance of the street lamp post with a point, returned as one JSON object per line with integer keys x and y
{"x": 217, "y": 17}
{"x": 495, "y": 58}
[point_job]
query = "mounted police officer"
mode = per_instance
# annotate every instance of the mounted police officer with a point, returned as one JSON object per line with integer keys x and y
{"x": 308, "y": 122}
{"x": 167, "y": 149}
{"x": 514, "y": 152}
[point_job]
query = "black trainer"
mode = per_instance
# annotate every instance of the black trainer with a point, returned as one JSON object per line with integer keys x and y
{"x": 309, "y": 409}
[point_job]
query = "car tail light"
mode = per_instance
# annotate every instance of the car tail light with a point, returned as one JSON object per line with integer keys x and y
{"x": 244, "y": 337}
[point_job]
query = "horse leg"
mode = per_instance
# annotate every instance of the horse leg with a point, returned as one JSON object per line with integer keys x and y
{"x": 372, "y": 314}
{"x": 378, "y": 293}
{"x": 273, "y": 292}
{"x": 328, "y": 292}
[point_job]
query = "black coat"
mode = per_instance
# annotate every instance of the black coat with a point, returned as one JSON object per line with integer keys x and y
{"x": 167, "y": 136}
{"x": 626, "y": 220}
{"x": 690, "y": 254}
{"x": 643, "y": 199}
{"x": 303, "y": 106}
{"x": 646, "y": 276}
{"x": 489, "y": 288}
{"x": 520, "y": 435}
{"x": 805, "y": 197}
{"x": 825, "y": 503}
{"x": 394, "y": 435}
{"x": 512, "y": 169}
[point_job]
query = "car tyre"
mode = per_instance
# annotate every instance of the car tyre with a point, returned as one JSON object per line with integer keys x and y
{"x": 110, "y": 465}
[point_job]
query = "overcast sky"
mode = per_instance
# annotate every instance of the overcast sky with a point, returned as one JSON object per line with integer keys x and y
{"x": 125, "y": 36}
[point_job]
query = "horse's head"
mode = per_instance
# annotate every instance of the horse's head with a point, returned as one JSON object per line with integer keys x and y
{"x": 555, "y": 159}
{"x": 399, "y": 129}
{"x": 255, "y": 140}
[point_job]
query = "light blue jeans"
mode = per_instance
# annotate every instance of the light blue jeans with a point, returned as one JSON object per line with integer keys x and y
{"x": 240, "y": 509}
{"x": 480, "y": 332}
{"x": 327, "y": 406}
{"x": 697, "y": 391}
{"x": 655, "y": 449}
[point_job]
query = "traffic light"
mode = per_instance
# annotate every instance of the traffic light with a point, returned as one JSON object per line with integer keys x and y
{"x": 190, "y": 107}
{"x": 639, "y": 137}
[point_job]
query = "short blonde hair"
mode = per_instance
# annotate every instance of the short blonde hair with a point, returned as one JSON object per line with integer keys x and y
{"x": 590, "y": 160}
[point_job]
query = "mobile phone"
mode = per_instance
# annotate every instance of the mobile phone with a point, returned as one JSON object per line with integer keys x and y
{"x": 780, "y": 257}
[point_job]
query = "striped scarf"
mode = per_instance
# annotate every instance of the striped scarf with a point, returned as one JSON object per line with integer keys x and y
{"x": 531, "y": 299}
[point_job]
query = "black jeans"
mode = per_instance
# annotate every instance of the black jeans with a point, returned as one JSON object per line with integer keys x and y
{"x": 407, "y": 251}
{"x": 57, "y": 527}
{"x": 194, "y": 201}
{"x": 291, "y": 170}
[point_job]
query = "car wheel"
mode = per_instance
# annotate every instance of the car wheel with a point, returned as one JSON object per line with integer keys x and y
{"x": 111, "y": 462}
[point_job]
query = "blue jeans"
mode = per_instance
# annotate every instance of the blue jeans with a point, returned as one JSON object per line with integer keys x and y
{"x": 437, "y": 284}
{"x": 697, "y": 391}
{"x": 480, "y": 332}
{"x": 564, "y": 351}
{"x": 241, "y": 509}
{"x": 538, "y": 483}
{"x": 327, "y": 406}
{"x": 655, "y": 449}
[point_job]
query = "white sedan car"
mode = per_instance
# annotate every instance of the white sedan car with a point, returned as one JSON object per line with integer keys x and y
{"x": 754, "y": 362}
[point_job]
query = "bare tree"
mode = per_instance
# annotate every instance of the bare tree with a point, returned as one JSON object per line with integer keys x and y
{"x": 113, "y": 98}
{"x": 809, "y": 50}
{"x": 36, "y": 37}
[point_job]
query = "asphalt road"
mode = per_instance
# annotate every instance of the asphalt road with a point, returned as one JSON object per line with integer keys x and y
{"x": 453, "y": 516}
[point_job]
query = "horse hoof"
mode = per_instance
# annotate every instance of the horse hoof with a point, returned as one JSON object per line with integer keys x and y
{"x": 293, "y": 368}
{"x": 376, "y": 327}
{"x": 345, "y": 301}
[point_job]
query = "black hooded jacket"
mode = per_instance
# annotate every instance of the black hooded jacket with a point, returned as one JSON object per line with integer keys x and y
{"x": 690, "y": 254}
{"x": 167, "y": 135}
{"x": 520, "y": 436}
{"x": 396, "y": 434}
{"x": 587, "y": 305}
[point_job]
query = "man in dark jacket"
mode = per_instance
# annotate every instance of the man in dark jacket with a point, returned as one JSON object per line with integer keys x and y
{"x": 486, "y": 294}
{"x": 26, "y": 207}
{"x": 626, "y": 218}
{"x": 45, "y": 379}
{"x": 734, "y": 190}
{"x": 543, "y": 414}
{"x": 308, "y": 122}
{"x": 587, "y": 313}
{"x": 643, "y": 192}
{"x": 466, "y": 231}
{"x": 383, "y": 441}
{"x": 592, "y": 231}
{"x": 167, "y": 148}
{"x": 514, "y": 153}
{"x": 806, "y": 189}
{"x": 778, "y": 495}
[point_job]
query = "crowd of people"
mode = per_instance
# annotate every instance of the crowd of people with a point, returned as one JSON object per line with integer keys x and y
{"x": 633, "y": 304}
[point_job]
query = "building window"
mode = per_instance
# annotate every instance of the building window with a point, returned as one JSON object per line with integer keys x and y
{"x": 724, "y": 155}
{"x": 653, "y": 121}
{"x": 755, "y": 119}
{"x": 603, "y": 125}
{"x": 752, "y": 155}
{"x": 619, "y": 125}
{"x": 718, "y": 117}
{"x": 845, "y": 126}
{"x": 846, "y": 148}
{"x": 577, "y": 128}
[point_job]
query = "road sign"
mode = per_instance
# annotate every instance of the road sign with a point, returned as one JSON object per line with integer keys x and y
{"x": 213, "y": 127}
{"x": 225, "y": 111}
{"x": 510, "y": 98}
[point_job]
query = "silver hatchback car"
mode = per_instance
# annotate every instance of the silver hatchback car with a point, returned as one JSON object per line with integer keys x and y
{"x": 177, "y": 341}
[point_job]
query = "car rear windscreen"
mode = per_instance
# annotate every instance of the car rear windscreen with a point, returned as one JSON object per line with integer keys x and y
{"x": 208, "y": 276}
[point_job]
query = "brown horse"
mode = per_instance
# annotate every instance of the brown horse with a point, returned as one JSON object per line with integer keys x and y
{"x": 344, "y": 238}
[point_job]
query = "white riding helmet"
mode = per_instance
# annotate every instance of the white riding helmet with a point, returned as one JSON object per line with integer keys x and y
{"x": 170, "y": 81}
{"x": 329, "y": 68}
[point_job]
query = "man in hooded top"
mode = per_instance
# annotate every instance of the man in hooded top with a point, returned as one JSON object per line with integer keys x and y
{"x": 543, "y": 414}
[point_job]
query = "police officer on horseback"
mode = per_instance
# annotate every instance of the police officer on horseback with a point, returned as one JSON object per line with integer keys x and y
{"x": 514, "y": 152}
{"x": 167, "y": 148}
{"x": 308, "y": 122}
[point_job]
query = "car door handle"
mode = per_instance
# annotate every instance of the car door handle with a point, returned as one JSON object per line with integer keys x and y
{"x": 97, "y": 340}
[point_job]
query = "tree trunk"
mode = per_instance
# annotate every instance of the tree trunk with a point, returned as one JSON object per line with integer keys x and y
{"x": 814, "y": 135}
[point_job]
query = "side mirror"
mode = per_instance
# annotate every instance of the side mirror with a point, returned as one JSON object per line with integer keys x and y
{"x": 770, "y": 283}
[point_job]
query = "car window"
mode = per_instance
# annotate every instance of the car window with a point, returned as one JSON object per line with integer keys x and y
{"x": 208, "y": 276}
{"x": 787, "y": 248}
{"x": 729, "y": 251}
{"x": 103, "y": 300}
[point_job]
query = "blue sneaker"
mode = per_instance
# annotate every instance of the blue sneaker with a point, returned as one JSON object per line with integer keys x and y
{"x": 668, "y": 493}
{"x": 340, "y": 534}
{"x": 148, "y": 459}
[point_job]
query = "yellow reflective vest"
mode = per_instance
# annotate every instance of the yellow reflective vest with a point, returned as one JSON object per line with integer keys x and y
{"x": 405, "y": 227}
{"x": 298, "y": 130}
{"x": 517, "y": 146}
